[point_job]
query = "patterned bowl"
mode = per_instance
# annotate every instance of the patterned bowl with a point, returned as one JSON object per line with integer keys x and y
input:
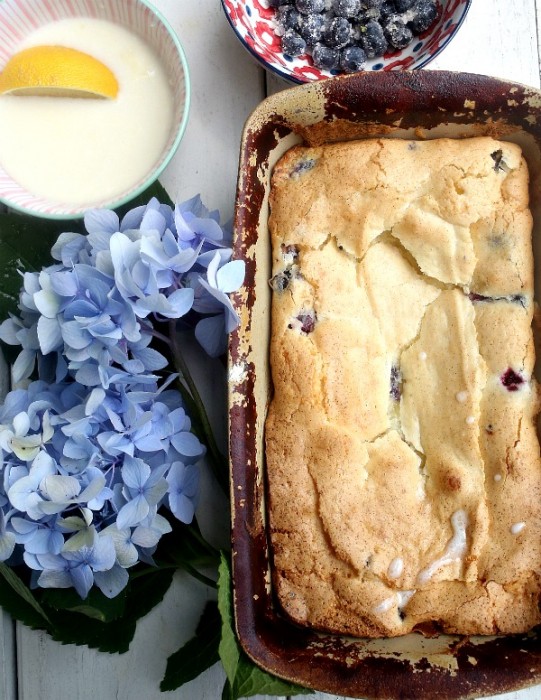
{"x": 19, "y": 18}
{"x": 253, "y": 23}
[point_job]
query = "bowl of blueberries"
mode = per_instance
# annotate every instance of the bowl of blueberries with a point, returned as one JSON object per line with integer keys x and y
{"x": 306, "y": 40}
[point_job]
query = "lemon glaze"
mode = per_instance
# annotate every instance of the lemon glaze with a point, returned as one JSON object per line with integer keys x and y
{"x": 85, "y": 151}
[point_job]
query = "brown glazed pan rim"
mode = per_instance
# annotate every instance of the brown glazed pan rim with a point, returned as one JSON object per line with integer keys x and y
{"x": 418, "y": 104}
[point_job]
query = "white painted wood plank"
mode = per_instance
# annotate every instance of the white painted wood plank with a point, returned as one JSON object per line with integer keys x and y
{"x": 498, "y": 39}
{"x": 226, "y": 86}
{"x": 223, "y": 94}
{"x": 8, "y": 664}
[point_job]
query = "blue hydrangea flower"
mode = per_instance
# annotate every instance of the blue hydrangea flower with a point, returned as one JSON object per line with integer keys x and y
{"x": 99, "y": 444}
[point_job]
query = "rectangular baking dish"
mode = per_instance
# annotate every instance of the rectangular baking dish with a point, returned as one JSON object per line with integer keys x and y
{"x": 418, "y": 105}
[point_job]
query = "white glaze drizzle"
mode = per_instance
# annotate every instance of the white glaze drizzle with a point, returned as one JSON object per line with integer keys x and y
{"x": 289, "y": 257}
{"x": 404, "y": 597}
{"x": 385, "y": 605}
{"x": 497, "y": 477}
{"x": 396, "y": 567}
{"x": 462, "y": 396}
{"x": 470, "y": 420}
{"x": 517, "y": 527}
{"x": 400, "y": 599}
{"x": 455, "y": 549}
{"x": 423, "y": 355}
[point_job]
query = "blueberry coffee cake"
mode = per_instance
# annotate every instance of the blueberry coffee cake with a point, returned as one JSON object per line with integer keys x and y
{"x": 403, "y": 466}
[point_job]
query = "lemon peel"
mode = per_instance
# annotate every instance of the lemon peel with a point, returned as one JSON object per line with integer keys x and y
{"x": 57, "y": 71}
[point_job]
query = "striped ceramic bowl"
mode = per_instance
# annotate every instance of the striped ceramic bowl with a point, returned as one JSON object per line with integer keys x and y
{"x": 18, "y": 18}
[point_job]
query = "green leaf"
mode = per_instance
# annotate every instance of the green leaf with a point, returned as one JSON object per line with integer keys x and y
{"x": 197, "y": 655}
{"x": 145, "y": 592}
{"x": 229, "y": 648}
{"x": 155, "y": 190}
{"x": 72, "y": 624}
{"x": 69, "y": 627}
{"x": 244, "y": 678}
{"x": 97, "y": 606}
{"x": 23, "y": 606}
{"x": 141, "y": 595}
{"x": 251, "y": 680}
{"x": 25, "y": 245}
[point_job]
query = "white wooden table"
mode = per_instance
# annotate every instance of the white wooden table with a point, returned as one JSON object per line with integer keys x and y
{"x": 499, "y": 38}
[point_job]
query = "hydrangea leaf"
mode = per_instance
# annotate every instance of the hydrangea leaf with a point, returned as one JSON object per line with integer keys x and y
{"x": 229, "y": 648}
{"x": 25, "y": 242}
{"x": 114, "y": 636}
{"x": 244, "y": 679}
{"x": 198, "y": 654}
{"x": 13, "y": 605}
{"x": 97, "y": 606}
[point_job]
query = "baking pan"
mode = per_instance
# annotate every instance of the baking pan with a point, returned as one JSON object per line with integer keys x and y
{"x": 418, "y": 105}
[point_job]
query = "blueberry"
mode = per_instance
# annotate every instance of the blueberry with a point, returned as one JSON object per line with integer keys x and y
{"x": 373, "y": 40}
{"x": 287, "y": 17}
{"x": 346, "y": 8}
{"x": 388, "y": 10}
{"x": 308, "y": 7}
{"x": 499, "y": 163}
{"x": 395, "y": 383}
{"x": 371, "y": 4}
{"x": 397, "y": 34}
{"x": 308, "y": 321}
{"x": 352, "y": 59}
{"x": 280, "y": 281}
{"x": 277, "y": 3}
{"x": 338, "y": 33}
{"x": 511, "y": 380}
{"x": 404, "y": 5}
{"x": 424, "y": 12}
{"x": 293, "y": 44}
{"x": 325, "y": 57}
{"x": 311, "y": 28}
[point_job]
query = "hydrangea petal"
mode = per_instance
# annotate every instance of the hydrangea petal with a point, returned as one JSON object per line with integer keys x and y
{"x": 23, "y": 365}
{"x": 54, "y": 579}
{"x": 187, "y": 445}
{"x": 7, "y": 545}
{"x": 231, "y": 276}
{"x": 133, "y": 512}
{"x": 112, "y": 582}
{"x": 97, "y": 220}
{"x": 60, "y": 489}
{"x": 49, "y": 334}
{"x": 211, "y": 335}
{"x": 82, "y": 578}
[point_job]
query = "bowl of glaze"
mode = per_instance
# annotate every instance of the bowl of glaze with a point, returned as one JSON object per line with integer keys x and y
{"x": 108, "y": 150}
{"x": 254, "y": 23}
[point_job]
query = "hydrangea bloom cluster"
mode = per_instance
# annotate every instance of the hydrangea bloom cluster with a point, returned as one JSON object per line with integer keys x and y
{"x": 97, "y": 442}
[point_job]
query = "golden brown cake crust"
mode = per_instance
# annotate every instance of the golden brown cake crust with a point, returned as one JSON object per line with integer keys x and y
{"x": 402, "y": 456}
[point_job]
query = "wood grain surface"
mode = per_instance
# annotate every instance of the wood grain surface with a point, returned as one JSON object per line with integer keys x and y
{"x": 499, "y": 38}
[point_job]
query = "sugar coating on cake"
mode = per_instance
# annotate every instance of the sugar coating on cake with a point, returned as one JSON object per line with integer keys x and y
{"x": 403, "y": 467}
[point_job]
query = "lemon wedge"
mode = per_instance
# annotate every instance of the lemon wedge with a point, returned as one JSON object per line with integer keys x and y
{"x": 57, "y": 71}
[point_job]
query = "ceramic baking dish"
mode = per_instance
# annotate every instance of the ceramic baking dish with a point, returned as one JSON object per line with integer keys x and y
{"x": 419, "y": 105}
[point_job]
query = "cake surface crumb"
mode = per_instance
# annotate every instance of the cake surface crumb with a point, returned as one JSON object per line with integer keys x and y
{"x": 403, "y": 465}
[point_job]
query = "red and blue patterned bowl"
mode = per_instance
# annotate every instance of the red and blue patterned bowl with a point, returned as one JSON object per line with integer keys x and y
{"x": 253, "y": 23}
